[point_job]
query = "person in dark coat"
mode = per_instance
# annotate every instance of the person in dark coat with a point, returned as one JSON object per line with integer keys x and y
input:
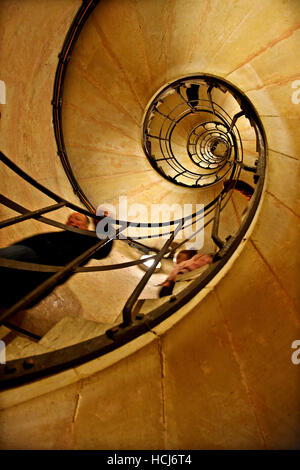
{"x": 51, "y": 248}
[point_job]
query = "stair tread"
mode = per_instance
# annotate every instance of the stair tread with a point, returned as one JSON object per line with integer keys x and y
{"x": 71, "y": 330}
{"x": 22, "y": 347}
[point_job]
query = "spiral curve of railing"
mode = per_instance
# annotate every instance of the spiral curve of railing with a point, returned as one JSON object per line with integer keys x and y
{"x": 184, "y": 111}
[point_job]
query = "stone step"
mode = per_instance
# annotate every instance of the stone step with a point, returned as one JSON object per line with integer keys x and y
{"x": 22, "y": 347}
{"x": 150, "y": 304}
{"x": 71, "y": 330}
{"x": 4, "y": 332}
{"x": 68, "y": 331}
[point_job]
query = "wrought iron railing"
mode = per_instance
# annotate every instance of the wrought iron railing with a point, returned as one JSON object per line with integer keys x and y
{"x": 214, "y": 148}
{"x": 18, "y": 371}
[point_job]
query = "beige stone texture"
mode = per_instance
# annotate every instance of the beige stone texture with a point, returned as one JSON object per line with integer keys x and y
{"x": 203, "y": 379}
{"x": 279, "y": 250}
{"x": 261, "y": 338}
{"x": 125, "y": 390}
{"x": 278, "y": 101}
{"x": 261, "y": 29}
{"x": 44, "y": 422}
{"x": 282, "y": 135}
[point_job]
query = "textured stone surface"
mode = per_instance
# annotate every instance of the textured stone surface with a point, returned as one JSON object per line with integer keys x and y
{"x": 123, "y": 405}
{"x": 23, "y": 347}
{"x": 71, "y": 331}
{"x": 50, "y": 310}
{"x": 279, "y": 249}
{"x": 44, "y": 422}
{"x": 283, "y": 181}
{"x": 261, "y": 336}
{"x": 204, "y": 390}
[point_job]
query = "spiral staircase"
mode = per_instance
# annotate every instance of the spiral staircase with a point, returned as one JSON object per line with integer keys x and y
{"x": 160, "y": 106}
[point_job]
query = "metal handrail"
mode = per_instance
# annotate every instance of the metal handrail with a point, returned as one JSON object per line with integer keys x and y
{"x": 22, "y": 370}
{"x": 127, "y": 310}
{"x": 46, "y": 268}
{"x": 30, "y": 214}
{"x": 123, "y": 223}
{"x": 215, "y": 229}
{"x": 62, "y": 273}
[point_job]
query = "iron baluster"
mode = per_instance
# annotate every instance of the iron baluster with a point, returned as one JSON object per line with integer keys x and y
{"x": 30, "y": 214}
{"x": 215, "y": 229}
{"x": 127, "y": 310}
{"x": 235, "y": 118}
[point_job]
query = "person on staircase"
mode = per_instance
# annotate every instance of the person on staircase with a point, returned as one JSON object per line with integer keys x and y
{"x": 51, "y": 248}
{"x": 186, "y": 260}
